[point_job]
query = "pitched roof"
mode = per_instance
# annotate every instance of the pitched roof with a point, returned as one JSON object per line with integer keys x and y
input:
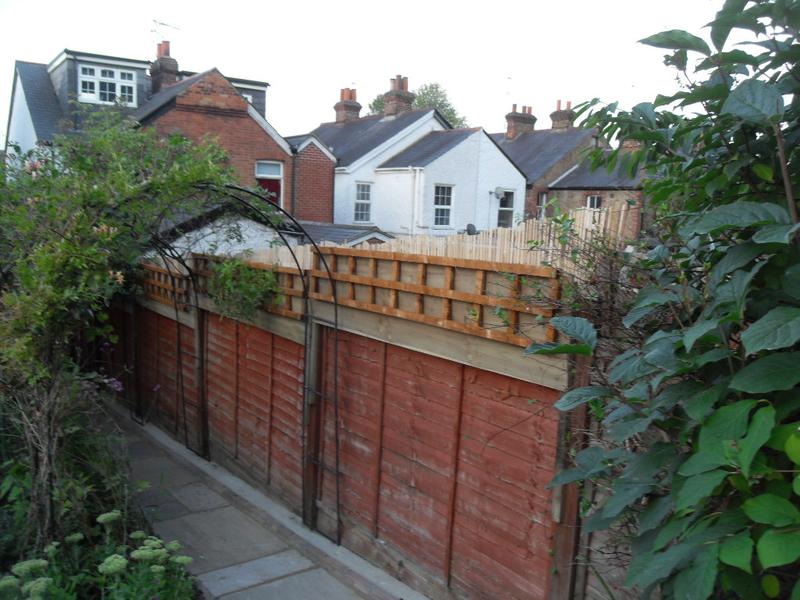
{"x": 351, "y": 140}
{"x": 41, "y": 98}
{"x": 428, "y": 148}
{"x": 535, "y": 153}
{"x": 296, "y": 140}
{"x": 165, "y": 96}
{"x": 339, "y": 234}
{"x": 582, "y": 177}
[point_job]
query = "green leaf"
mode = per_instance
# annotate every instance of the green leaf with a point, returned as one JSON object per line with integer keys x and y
{"x": 703, "y": 460}
{"x": 728, "y": 423}
{"x": 763, "y": 171}
{"x": 697, "y": 331}
{"x": 550, "y": 348}
{"x": 775, "y": 234}
{"x": 734, "y": 258}
{"x": 578, "y": 396}
{"x": 796, "y": 592}
{"x": 697, "y": 581}
{"x": 738, "y": 215}
{"x": 778, "y": 547}
{"x": 578, "y": 328}
{"x": 648, "y": 568}
{"x": 697, "y": 488}
{"x": 792, "y": 448}
{"x": 699, "y": 405}
{"x": 771, "y": 586}
{"x": 781, "y": 434}
{"x": 758, "y": 434}
{"x": 721, "y": 26}
{"x": 796, "y": 485}
{"x": 652, "y": 516}
{"x": 791, "y": 281}
{"x": 772, "y": 373}
{"x": 754, "y": 101}
{"x": 588, "y": 462}
{"x": 779, "y": 328}
{"x": 676, "y": 39}
{"x": 769, "y": 509}
{"x": 738, "y": 552}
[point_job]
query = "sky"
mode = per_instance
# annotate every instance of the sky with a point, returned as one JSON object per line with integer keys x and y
{"x": 486, "y": 55}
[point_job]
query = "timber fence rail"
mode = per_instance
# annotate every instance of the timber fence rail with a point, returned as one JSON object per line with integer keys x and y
{"x": 494, "y": 300}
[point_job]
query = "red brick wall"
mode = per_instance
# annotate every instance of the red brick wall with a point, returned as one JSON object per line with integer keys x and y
{"x": 314, "y": 185}
{"x": 213, "y": 108}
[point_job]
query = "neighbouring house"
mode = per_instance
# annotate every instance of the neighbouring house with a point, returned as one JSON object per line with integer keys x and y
{"x": 543, "y": 155}
{"x": 612, "y": 198}
{"x": 408, "y": 172}
{"x": 298, "y": 173}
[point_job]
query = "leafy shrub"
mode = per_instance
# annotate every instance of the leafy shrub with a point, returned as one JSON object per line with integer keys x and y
{"x": 239, "y": 290}
{"x": 699, "y": 449}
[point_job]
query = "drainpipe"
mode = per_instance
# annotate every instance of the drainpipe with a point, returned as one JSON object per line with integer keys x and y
{"x": 419, "y": 185}
{"x": 293, "y": 207}
{"x": 413, "y": 172}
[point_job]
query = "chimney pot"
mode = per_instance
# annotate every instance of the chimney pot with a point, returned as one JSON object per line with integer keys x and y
{"x": 558, "y": 104}
{"x": 164, "y": 70}
{"x": 519, "y": 122}
{"x": 398, "y": 99}
{"x": 569, "y": 104}
{"x": 347, "y": 109}
{"x": 562, "y": 118}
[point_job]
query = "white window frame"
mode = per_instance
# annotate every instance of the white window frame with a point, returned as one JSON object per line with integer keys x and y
{"x": 273, "y": 177}
{"x": 97, "y": 74}
{"x": 590, "y": 200}
{"x": 541, "y": 206}
{"x": 506, "y": 209}
{"x": 362, "y": 202}
{"x": 443, "y": 207}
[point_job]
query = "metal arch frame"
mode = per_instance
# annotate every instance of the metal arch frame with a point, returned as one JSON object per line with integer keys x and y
{"x": 244, "y": 206}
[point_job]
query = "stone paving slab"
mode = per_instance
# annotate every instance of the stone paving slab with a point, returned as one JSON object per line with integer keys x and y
{"x": 161, "y": 472}
{"x": 219, "y": 538}
{"x": 309, "y": 585}
{"x": 198, "y": 497}
{"x": 254, "y": 572}
{"x": 243, "y": 544}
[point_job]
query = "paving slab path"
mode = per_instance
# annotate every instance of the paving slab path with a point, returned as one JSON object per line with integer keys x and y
{"x": 245, "y": 545}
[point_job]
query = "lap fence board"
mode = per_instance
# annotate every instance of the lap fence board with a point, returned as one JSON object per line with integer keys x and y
{"x": 443, "y": 464}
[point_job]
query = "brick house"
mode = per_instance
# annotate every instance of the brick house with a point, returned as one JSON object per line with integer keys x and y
{"x": 543, "y": 155}
{"x": 158, "y": 94}
{"x": 614, "y": 192}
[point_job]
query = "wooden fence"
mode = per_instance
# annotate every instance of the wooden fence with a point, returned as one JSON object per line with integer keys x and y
{"x": 500, "y": 301}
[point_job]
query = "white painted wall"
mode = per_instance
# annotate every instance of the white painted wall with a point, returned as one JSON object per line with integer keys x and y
{"x": 363, "y": 171}
{"x": 403, "y": 199}
{"x": 20, "y": 126}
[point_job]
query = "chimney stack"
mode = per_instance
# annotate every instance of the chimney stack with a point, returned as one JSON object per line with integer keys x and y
{"x": 398, "y": 99}
{"x": 164, "y": 70}
{"x": 630, "y": 146}
{"x": 562, "y": 119}
{"x": 519, "y": 122}
{"x": 347, "y": 109}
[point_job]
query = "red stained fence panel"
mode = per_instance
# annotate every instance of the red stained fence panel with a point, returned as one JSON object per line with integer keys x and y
{"x": 442, "y": 464}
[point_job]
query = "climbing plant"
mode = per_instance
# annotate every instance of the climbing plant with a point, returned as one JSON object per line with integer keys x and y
{"x": 239, "y": 290}
{"x": 698, "y": 448}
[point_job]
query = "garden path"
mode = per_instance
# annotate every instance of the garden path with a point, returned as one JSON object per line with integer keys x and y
{"x": 244, "y": 544}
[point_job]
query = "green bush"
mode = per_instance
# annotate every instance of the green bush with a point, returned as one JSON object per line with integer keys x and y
{"x": 698, "y": 452}
{"x": 239, "y": 290}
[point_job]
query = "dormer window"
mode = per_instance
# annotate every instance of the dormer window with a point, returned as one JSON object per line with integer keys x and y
{"x": 106, "y": 86}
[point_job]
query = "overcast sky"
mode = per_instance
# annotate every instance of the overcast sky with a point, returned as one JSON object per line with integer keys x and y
{"x": 487, "y": 55}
